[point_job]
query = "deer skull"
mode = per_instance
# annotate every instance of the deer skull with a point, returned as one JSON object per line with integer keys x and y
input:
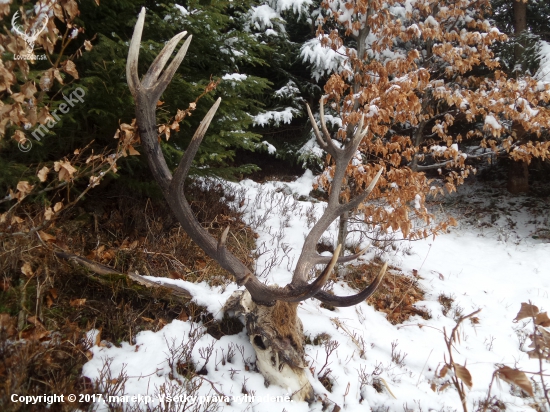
{"x": 276, "y": 334}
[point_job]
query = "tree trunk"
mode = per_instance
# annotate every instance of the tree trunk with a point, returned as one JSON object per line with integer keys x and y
{"x": 520, "y": 25}
{"x": 518, "y": 177}
{"x": 518, "y": 172}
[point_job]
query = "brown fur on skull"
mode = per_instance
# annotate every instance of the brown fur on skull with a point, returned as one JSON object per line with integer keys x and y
{"x": 276, "y": 334}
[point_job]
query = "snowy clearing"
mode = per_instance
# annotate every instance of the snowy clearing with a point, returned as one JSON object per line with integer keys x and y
{"x": 496, "y": 259}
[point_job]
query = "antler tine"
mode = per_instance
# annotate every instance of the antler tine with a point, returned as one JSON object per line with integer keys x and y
{"x": 322, "y": 260}
{"x": 132, "y": 76}
{"x": 344, "y": 301}
{"x": 160, "y": 61}
{"x": 314, "y": 287}
{"x": 341, "y": 157}
{"x": 360, "y": 133}
{"x": 356, "y": 201}
{"x": 316, "y": 131}
{"x": 173, "y": 66}
{"x": 330, "y": 143}
{"x": 223, "y": 239}
{"x": 185, "y": 163}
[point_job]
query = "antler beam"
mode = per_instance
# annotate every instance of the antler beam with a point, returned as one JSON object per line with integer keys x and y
{"x": 146, "y": 93}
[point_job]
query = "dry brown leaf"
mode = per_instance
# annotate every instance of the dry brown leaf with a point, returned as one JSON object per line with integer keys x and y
{"x": 46, "y": 81}
{"x": 29, "y": 89}
{"x": 8, "y": 323}
{"x": 463, "y": 374}
{"x": 516, "y": 377}
{"x": 57, "y": 75}
{"x": 444, "y": 386}
{"x": 77, "y": 302}
{"x": 108, "y": 255}
{"x": 71, "y": 8}
{"x": 26, "y": 269}
{"x": 443, "y": 371}
{"x": 25, "y": 188}
{"x": 43, "y": 173}
{"x": 48, "y": 213}
{"x": 18, "y": 97}
{"x": 49, "y": 301}
{"x": 57, "y": 207}
{"x": 58, "y": 11}
{"x": 98, "y": 338}
{"x": 70, "y": 68}
{"x": 200, "y": 264}
{"x": 545, "y": 334}
{"x": 46, "y": 236}
{"x": 132, "y": 151}
{"x": 87, "y": 44}
{"x": 162, "y": 323}
{"x": 35, "y": 334}
{"x": 94, "y": 181}
{"x": 542, "y": 319}
{"x": 527, "y": 311}
{"x": 65, "y": 169}
{"x": 34, "y": 320}
{"x": 183, "y": 316}
{"x": 16, "y": 220}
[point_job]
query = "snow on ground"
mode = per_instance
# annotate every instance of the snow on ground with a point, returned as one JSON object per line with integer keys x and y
{"x": 496, "y": 259}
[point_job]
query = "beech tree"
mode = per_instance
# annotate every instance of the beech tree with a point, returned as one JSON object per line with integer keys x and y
{"x": 425, "y": 76}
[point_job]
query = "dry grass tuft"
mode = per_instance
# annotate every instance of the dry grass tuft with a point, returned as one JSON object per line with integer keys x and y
{"x": 397, "y": 294}
{"x": 47, "y": 305}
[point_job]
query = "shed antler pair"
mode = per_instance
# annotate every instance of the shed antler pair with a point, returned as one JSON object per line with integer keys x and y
{"x": 146, "y": 93}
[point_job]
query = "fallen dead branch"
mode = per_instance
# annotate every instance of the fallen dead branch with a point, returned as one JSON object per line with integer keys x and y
{"x": 103, "y": 270}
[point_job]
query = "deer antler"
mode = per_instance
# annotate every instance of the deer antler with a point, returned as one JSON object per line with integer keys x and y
{"x": 146, "y": 94}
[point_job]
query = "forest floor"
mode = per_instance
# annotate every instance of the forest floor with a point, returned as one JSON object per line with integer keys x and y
{"x": 386, "y": 354}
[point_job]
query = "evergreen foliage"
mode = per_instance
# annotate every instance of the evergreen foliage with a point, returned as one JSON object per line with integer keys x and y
{"x": 538, "y": 29}
{"x": 251, "y": 64}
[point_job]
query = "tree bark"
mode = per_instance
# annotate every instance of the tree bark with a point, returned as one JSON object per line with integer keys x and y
{"x": 518, "y": 172}
{"x": 520, "y": 25}
{"x": 518, "y": 177}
